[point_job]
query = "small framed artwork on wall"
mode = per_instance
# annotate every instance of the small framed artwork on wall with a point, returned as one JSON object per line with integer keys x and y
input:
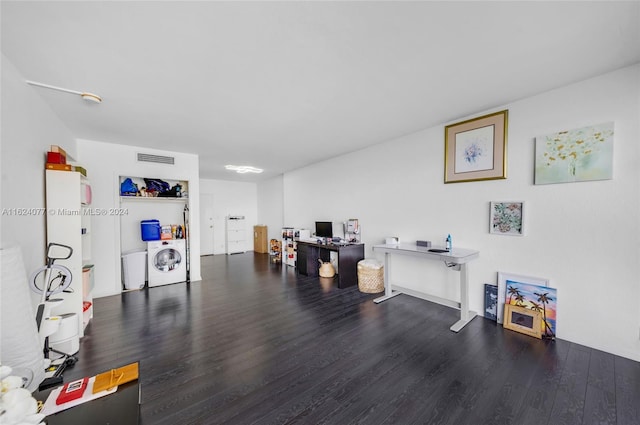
{"x": 507, "y": 218}
{"x": 476, "y": 149}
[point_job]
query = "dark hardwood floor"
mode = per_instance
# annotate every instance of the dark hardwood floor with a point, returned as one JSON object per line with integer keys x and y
{"x": 253, "y": 343}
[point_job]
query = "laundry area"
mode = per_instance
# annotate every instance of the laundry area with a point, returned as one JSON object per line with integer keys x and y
{"x": 153, "y": 232}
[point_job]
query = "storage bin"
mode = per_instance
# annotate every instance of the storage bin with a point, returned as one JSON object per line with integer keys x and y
{"x": 326, "y": 269}
{"x": 134, "y": 269}
{"x": 370, "y": 276}
{"x": 150, "y": 230}
{"x": 66, "y": 339}
{"x": 87, "y": 280}
{"x": 85, "y": 194}
{"x": 56, "y": 158}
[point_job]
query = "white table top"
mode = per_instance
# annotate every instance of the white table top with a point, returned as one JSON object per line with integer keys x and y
{"x": 456, "y": 256}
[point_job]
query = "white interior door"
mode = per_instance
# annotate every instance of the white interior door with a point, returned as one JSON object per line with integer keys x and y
{"x": 206, "y": 224}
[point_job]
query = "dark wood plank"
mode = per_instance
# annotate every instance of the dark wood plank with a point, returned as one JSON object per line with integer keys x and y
{"x": 543, "y": 388}
{"x": 492, "y": 384}
{"x": 365, "y": 389}
{"x": 627, "y": 387}
{"x": 600, "y": 399}
{"x": 256, "y": 343}
{"x": 568, "y": 407}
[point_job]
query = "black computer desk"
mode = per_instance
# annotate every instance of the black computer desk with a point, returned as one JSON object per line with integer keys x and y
{"x": 348, "y": 256}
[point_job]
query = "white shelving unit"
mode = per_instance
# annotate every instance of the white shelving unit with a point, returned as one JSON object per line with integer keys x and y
{"x": 69, "y": 223}
{"x": 289, "y": 247}
{"x": 236, "y": 234}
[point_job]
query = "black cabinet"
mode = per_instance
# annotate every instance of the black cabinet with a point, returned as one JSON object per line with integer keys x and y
{"x": 348, "y": 256}
{"x": 303, "y": 256}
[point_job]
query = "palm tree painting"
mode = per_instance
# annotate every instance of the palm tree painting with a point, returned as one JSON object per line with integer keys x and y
{"x": 544, "y": 298}
{"x": 537, "y": 298}
{"x": 512, "y": 292}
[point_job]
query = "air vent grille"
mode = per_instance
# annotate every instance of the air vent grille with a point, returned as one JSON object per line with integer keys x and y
{"x": 145, "y": 157}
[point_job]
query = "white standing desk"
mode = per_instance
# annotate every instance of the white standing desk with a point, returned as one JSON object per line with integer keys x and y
{"x": 456, "y": 260}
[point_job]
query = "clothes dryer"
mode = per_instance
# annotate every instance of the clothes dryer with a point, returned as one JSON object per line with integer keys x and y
{"x": 166, "y": 262}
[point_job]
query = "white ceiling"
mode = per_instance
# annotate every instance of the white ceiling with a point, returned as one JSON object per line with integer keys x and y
{"x": 279, "y": 85}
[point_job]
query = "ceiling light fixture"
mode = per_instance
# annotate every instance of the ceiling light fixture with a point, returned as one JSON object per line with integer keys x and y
{"x": 242, "y": 169}
{"x": 89, "y": 97}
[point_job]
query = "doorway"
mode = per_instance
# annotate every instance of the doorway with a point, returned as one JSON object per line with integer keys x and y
{"x": 206, "y": 224}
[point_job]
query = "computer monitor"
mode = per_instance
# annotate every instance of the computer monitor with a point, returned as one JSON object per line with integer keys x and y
{"x": 324, "y": 229}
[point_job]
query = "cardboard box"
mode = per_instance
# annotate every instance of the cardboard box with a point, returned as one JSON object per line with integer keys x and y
{"x": 58, "y": 149}
{"x": 260, "y": 239}
{"x": 80, "y": 169}
{"x": 60, "y": 167}
{"x": 56, "y": 158}
{"x": 165, "y": 232}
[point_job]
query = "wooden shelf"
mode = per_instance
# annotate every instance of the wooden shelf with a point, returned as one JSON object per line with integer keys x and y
{"x": 152, "y": 199}
{"x": 141, "y": 182}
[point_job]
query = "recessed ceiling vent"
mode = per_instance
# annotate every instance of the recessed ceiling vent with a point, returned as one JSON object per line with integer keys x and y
{"x": 145, "y": 157}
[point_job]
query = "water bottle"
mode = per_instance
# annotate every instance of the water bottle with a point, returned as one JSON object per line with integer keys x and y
{"x": 448, "y": 243}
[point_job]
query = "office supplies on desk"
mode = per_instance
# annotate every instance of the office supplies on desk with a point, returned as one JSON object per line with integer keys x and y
{"x": 50, "y": 407}
{"x": 72, "y": 390}
{"x": 115, "y": 377}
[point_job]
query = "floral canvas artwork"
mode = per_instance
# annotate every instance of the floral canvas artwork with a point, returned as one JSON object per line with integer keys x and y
{"x": 507, "y": 218}
{"x": 474, "y": 150}
{"x": 581, "y": 154}
{"x": 536, "y": 298}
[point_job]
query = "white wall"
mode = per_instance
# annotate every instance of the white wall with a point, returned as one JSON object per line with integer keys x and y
{"x": 231, "y": 198}
{"x": 29, "y": 128}
{"x": 105, "y": 163}
{"x": 270, "y": 206}
{"x": 584, "y": 237}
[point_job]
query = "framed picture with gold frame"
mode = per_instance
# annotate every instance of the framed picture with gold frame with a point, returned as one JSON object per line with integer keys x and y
{"x": 476, "y": 149}
{"x": 523, "y": 320}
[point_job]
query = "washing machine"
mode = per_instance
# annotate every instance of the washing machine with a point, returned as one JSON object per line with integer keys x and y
{"x": 166, "y": 261}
